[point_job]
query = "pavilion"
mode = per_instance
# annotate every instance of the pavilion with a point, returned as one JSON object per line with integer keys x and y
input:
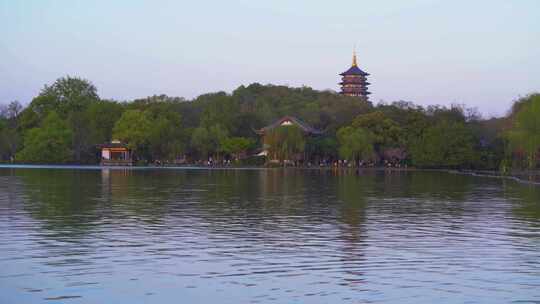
{"x": 284, "y": 122}
{"x": 115, "y": 153}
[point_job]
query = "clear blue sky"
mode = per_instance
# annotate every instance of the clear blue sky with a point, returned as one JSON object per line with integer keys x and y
{"x": 483, "y": 53}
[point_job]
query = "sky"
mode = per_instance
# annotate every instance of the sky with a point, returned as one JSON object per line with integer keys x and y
{"x": 482, "y": 53}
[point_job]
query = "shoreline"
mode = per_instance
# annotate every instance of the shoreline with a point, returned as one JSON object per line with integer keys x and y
{"x": 524, "y": 177}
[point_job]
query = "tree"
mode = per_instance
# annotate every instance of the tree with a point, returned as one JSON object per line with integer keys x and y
{"x": 10, "y": 135}
{"x": 456, "y": 113}
{"x": 10, "y": 140}
{"x": 4, "y": 147}
{"x": 386, "y": 132}
{"x": 355, "y": 144}
{"x": 29, "y": 119}
{"x": 218, "y": 109}
{"x": 134, "y": 129}
{"x": 285, "y": 142}
{"x": 12, "y": 110}
{"x": 70, "y": 94}
{"x": 245, "y": 123}
{"x": 209, "y": 141}
{"x": 236, "y": 145}
{"x": 200, "y": 141}
{"x": 165, "y": 137}
{"x": 101, "y": 117}
{"x": 49, "y": 143}
{"x": 163, "y": 127}
{"x": 446, "y": 144}
{"x": 525, "y": 134}
{"x": 166, "y": 130}
{"x": 68, "y": 97}
{"x": 322, "y": 148}
{"x": 218, "y": 135}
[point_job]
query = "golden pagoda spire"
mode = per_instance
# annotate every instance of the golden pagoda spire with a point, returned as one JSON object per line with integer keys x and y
{"x": 354, "y": 57}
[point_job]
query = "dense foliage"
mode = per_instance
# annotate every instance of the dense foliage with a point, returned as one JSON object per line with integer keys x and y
{"x": 49, "y": 143}
{"x": 355, "y": 144}
{"x": 68, "y": 119}
{"x": 524, "y": 137}
{"x": 285, "y": 143}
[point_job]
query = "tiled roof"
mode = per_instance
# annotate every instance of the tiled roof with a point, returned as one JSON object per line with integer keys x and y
{"x": 354, "y": 70}
{"x": 112, "y": 145}
{"x": 292, "y": 120}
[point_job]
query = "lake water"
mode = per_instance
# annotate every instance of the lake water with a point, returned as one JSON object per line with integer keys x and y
{"x": 266, "y": 236}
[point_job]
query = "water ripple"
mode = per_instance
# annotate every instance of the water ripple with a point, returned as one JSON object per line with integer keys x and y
{"x": 263, "y": 236}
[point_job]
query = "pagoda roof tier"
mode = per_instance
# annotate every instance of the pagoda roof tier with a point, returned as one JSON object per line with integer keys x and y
{"x": 354, "y": 70}
{"x": 365, "y": 83}
{"x": 355, "y": 93}
{"x": 355, "y": 88}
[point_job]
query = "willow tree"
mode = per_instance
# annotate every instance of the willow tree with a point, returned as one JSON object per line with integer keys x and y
{"x": 355, "y": 144}
{"x": 525, "y": 134}
{"x": 235, "y": 146}
{"x": 285, "y": 142}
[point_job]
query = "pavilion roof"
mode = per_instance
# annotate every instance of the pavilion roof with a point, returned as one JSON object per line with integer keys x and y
{"x": 287, "y": 120}
{"x": 113, "y": 144}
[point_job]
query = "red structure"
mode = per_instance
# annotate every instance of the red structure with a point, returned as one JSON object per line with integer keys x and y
{"x": 115, "y": 153}
{"x": 354, "y": 82}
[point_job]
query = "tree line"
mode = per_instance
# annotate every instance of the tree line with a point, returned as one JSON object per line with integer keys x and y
{"x": 67, "y": 121}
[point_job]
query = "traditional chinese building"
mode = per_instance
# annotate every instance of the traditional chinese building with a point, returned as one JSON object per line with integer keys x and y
{"x": 115, "y": 153}
{"x": 289, "y": 121}
{"x": 354, "y": 81}
{"x": 286, "y": 121}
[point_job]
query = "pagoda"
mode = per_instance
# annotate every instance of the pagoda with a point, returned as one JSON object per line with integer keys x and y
{"x": 353, "y": 81}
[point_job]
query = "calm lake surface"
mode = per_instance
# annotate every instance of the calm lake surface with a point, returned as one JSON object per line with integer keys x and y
{"x": 266, "y": 236}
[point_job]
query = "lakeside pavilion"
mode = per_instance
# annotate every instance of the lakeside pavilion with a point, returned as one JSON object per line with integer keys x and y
{"x": 354, "y": 81}
{"x": 284, "y": 122}
{"x": 115, "y": 153}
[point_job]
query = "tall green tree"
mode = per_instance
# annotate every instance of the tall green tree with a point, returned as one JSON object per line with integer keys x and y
{"x": 525, "y": 133}
{"x": 236, "y": 145}
{"x": 167, "y": 138}
{"x": 445, "y": 144}
{"x": 69, "y": 97}
{"x": 285, "y": 142}
{"x": 69, "y": 94}
{"x": 4, "y": 147}
{"x": 49, "y": 143}
{"x": 219, "y": 109}
{"x": 356, "y": 144}
{"x": 210, "y": 141}
{"x": 134, "y": 129}
{"x": 386, "y": 133}
{"x": 10, "y": 135}
{"x": 201, "y": 142}
{"x": 101, "y": 117}
{"x": 321, "y": 148}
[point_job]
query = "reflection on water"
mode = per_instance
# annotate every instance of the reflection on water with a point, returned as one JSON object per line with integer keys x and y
{"x": 266, "y": 236}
